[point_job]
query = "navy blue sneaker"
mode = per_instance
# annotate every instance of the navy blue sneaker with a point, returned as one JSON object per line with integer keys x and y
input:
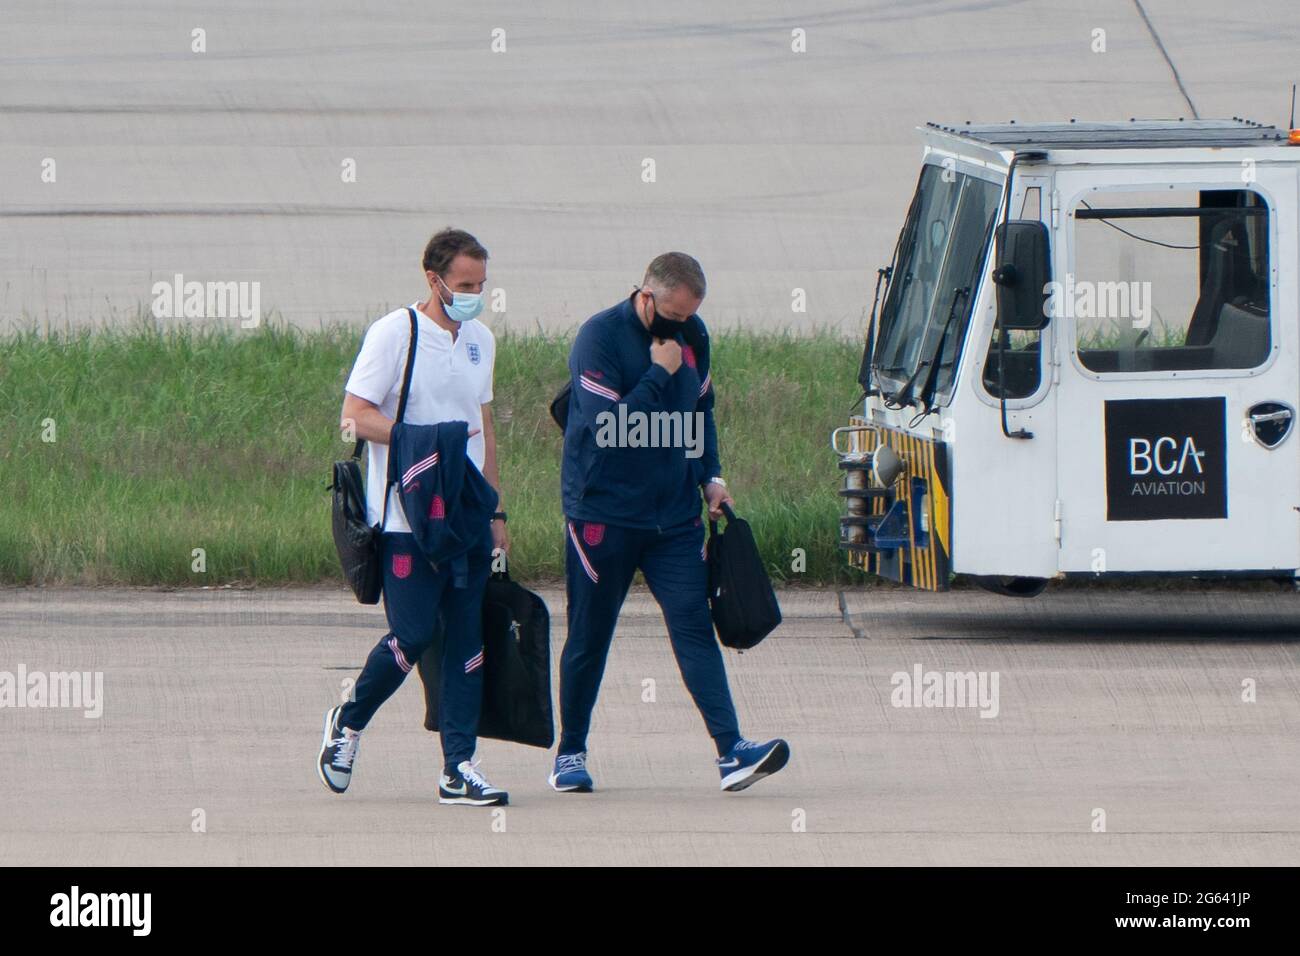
{"x": 571, "y": 775}
{"x": 750, "y": 761}
{"x": 338, "y": 752}
{"x": 468, "y": 787}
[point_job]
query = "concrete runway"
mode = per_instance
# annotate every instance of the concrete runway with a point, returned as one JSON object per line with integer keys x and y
{"x": 778, "y": 169}
{"x": 1126, "y": 702}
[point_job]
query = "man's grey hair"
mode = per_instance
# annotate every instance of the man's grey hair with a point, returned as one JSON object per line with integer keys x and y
{"x": 673, "y": 269}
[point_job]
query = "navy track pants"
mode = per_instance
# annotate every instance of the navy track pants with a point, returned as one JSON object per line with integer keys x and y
{"x": 414, "y": 595}
{"x": 600, "y": 561}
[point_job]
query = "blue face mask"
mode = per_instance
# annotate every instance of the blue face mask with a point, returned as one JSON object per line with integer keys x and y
{"x": 464, "y": 305}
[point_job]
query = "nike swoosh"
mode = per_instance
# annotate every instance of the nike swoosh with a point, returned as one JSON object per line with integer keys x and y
{"x": 460, "y": 793}
{"x": 734, "y": 762}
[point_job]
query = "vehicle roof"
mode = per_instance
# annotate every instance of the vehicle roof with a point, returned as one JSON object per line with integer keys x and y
{"x": 1130, "y": 134}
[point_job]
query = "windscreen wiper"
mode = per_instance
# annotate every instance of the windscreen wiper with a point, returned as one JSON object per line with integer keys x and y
{"x": 904, "y": 394}
{"x": 931, "y": 377}
{"x": 892, "y": 399}
{"x": 867, "y": 368}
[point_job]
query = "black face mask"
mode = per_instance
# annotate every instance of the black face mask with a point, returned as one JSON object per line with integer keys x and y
{"x": 662, "y": 328}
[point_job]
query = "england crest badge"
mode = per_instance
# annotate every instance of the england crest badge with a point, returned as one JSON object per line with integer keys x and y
{"x": 472, "y": 347}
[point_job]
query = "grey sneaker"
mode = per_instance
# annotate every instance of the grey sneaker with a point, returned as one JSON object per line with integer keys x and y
{"x": 338, "y": 752}
{"x": 467, "y": 786}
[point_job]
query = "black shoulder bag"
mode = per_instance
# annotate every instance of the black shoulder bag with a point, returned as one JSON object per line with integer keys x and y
{"x": 741, "y": 599}
{"x": 560, "y": 406}
{"x": 357, "y": 542}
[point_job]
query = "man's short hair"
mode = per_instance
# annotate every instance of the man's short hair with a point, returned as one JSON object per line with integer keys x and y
{"x": 447, "y": 245}
{"x": 673, "y": 269}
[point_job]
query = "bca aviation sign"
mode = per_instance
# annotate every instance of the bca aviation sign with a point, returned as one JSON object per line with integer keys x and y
{"x": 1166, "y": 458}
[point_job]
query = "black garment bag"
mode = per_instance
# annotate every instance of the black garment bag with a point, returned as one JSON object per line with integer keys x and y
{"x": 516, "y": 667}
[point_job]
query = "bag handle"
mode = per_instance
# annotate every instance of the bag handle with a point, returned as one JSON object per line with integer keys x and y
{"x": 730, "y": 515}
{"x": 401, "y": 412}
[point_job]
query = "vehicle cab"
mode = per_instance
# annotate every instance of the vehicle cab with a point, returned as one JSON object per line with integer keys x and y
{"x": 1083, "y": 359}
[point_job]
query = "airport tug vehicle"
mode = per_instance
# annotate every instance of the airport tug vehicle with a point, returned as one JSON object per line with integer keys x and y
{"x": 1084, "y": 359}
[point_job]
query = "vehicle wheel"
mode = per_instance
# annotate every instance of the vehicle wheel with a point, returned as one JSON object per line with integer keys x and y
{"x": 1011, "y": 586}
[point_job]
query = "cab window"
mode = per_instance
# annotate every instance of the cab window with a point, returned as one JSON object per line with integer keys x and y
{"x": 1169, "y": 281}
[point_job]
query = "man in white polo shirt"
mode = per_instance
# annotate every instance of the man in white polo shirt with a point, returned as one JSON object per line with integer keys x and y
{"x": 451, "y": 380}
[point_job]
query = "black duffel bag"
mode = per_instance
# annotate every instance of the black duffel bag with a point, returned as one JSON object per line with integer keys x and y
{"x": 516, "y": 667}
{"x": 355, "y": 540}
{"x": 741, "y": 599}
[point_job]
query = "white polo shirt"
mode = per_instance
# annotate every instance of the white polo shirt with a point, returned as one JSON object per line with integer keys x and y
{"x": 450, "y": 381}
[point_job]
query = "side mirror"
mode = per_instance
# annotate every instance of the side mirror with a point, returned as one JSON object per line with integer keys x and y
{"x": 1022, "y": 274}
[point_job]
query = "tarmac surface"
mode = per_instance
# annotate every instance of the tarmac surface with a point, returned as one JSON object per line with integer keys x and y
{"x": 1122, "y": 732}
{"x": 780, "y": 170}
{"x": 1131, "y": 727}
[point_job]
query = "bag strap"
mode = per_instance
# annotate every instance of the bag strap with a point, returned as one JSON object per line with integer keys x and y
{"x": 410, "y": 364}
{"x": 401, "y": 412}
{"x": 726, "y": 510}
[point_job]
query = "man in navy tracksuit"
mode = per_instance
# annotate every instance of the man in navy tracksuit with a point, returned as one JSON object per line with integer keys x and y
{"x": 639, "y": 447}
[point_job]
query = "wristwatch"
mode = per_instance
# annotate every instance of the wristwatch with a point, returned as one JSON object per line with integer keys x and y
{"x": 499, "y": 516}
{"x": 716, "y": 481}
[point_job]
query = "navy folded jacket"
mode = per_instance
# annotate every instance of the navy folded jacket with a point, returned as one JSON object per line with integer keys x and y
{"x": 447, "y": 501}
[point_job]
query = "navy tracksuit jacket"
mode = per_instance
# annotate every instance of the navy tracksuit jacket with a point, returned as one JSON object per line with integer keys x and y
{"x": 440, "y": 568}
{"x": 447, "y": 501}
{"x": 637, "y": 507}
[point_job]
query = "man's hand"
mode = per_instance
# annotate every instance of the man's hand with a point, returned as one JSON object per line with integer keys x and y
{"x": 363, "y": 420}
{"x": 500, "y": 537}
{"x": 715, "y": 496}
{"x": 668, "y": 353}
